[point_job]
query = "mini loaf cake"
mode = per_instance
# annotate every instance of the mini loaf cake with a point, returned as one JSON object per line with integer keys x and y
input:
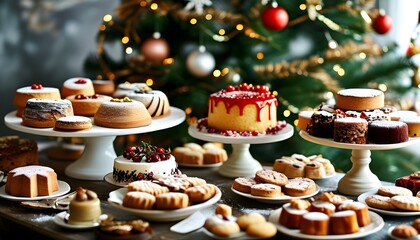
{"x": 103, "y": 87}
{"x": 291, "y": 217}
{"x": 42, "y": 113}
{"x": 35, "y": 91}
{"x": 359, "y": 99}
{"x": 361, "y": 210}
{"x": 87, "y": 105}
{"x": 73, "y": 123}
{"x": 17, "y": 152}
{"x": 122, "y": 113}
{"x": 31, "y": 181}
{"x": 192, "y": 153}
{"x": 343, "y": 222}
{"x": 84, "y": 208}
{"x": 321, "y": 124}
{"x": 314, "y": 223}
{"x": 248, "y": 108}
{"x": 413, "y": 124}
{"x": 74, "y": 86}
{"x": 297, "y": 165}
{"x": 387, "y": 132}
{"x": 155, "y": 101}
{"x": 304, "y": 118}
{"x": 350, "y": 130}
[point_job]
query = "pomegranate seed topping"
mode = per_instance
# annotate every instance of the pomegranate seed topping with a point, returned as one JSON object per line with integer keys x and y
{"x": 230, "y": 88}
{"x": 80, "y": 81}
{"x": 36, "y": 86}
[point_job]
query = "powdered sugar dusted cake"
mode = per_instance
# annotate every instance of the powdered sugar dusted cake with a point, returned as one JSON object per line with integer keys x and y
{"x": 387, "y": 132}
{"x": 143, "y": 163}
{"x": 359, "y": 99}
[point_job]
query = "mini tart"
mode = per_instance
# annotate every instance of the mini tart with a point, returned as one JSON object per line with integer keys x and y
{"x": 88, "y": 105}
{"x": 73, "y": 123}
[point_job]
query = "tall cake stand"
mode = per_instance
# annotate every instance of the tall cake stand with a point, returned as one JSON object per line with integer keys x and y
{"x": 98, "y": 156}
{"x": 240, "y": 162}
{"x": 359, "y": 179}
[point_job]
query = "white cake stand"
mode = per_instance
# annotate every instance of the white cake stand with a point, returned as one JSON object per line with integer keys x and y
{"x": 98, "y": 156}
{"x": 359, "y": 179}
{"x": 240, "y": 162}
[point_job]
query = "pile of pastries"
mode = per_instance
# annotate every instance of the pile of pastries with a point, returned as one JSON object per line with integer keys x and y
{"x": 196, "y": 154}
{"x": 298, "y": 165}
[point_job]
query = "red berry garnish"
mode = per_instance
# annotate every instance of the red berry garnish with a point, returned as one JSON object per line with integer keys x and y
{"x": 95, "y": 96}
{"x": 160, "y": 150}
{"x": 244, "y": 87}
{"x": 80, "y": 81}
{"x": 230, "y": 88}
{"x": 80, "y": 96}
{"x": 36, "y": 86}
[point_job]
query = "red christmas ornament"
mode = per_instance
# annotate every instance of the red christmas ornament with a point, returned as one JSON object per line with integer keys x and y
{"x": 275, "y": 18}
{"x": 382, "y": 24}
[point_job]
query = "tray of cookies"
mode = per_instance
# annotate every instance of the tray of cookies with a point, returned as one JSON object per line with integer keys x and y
{"x": 169, "y": 199}
{"x": 270, "y": 186}
{"x": 194, "y": 155}
{"x": 392, "y": 200}
{"x": 328, "y": 217}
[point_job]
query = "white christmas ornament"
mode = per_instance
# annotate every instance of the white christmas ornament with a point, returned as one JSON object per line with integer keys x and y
{"x": 198, "y": 5}
{"x": 200, "y": 63}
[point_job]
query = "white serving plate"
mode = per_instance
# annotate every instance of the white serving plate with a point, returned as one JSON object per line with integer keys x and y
{"x": 63, "y": 188}
{"x": 116, "y": 198}
{"x": 396, "y": 212}
{"x": 61, "y": 220}
{"x": 274, "y": 200}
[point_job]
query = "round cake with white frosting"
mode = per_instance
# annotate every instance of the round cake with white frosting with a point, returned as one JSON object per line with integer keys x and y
{"x": 360, "y": 99}
{"x": 35, "y": 91}
{"x": 74, "y": 86}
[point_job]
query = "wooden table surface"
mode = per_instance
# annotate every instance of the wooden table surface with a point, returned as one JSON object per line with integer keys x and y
{"x": 18, "y": 221}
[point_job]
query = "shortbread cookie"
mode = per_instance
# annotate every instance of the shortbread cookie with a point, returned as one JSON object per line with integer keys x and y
{"x": 242, "y": 184}
{"x": 409, "y": 203}
{"x": 271, "y": 176}
{"x": 381, "y": 202}
{"x": 262, "y": 230}
{"x": 179, "y": 184}
{"x": 246, "y": 220}
{"x": 391, "y": 191}
{"x": 223, "y": 209}
{"x": 171, "y": 200}
{"x": 139, "y": 200}
{"x": 266, "y": 190}
{"x": 225, "y": 228}
{"x": 416, "y": 224}
{"x": 299, "y": 187}
{"x": 148, "y": 187}
{"x": 201, "y": 193}
{"x": 404, "y": 231}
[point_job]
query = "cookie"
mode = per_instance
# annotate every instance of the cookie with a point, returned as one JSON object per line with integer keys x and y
{"x": 242, "y": 184}
{"x": 223, "y": 209}
{"x": 147, "y": 186}
{"x": 225, "y": 228}
{"x": 171, "y": 200}
{"x": 271, "y": 176}
{"x": 299, "y": 187}
{"x": 404, "y": 231}
{"x": 246, "y": 220}
{"x": 381, "y": 202}
{"x": 201, "y": 193}
{"x": 416, "y": 224}
{"x": 262, "y": 230}
{"x": 391, "y": 191}
{"x": 179, "y": 184}
{"x": 300, "y": 204}
{"x": 266, "y": 190}
{"x": 409, "y": 203}
{"x": 139, "y": 200}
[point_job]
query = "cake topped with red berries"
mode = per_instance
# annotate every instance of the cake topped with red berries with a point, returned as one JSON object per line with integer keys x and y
{"x": 87, "y": 105}
{"x": 34, "y": 91}
{"x": 248, "y": 109}
{"x": 74, "y": 86}
{"x": 143, "y": 162}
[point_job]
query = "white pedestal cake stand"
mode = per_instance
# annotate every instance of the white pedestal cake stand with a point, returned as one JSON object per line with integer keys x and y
{"x": 98, "y": 156}
{"x": 240, "y": 162}
{"x": 359, "y": 179}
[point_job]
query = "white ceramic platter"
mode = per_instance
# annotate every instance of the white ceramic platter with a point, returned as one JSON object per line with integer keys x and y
{"x": 116, "y": 197}
{"x": 376, "y": 225}
{"x": 61, "y": 220}
{"x": 401, "y": 213}
{"x": 63, "y": 188}
{"x": 274, "y": 200}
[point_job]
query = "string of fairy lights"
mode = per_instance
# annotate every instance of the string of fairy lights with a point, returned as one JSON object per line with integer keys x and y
{"x": 130, "y": 12}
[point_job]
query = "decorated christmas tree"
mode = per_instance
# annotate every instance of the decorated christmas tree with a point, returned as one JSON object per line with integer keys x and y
{"x": 304, "y": 51}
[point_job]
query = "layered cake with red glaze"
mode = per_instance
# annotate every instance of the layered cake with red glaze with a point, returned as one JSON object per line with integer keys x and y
{"x": 359, "y": 99}
{"x": 35, "y": 91}
{"x": 74, "y": 86}
{"x": 387, "y": 132}
{"x": 350, "y": 130}
{"x": 143, "y": 162}
{"x": 17, "y": 152}
{"x": 87, "y": 105}
{"x": 244, "y": 108}
{"x": 43, "y": 113}
{"x": 122, "y": 113}
{"x": 31, "y": 181}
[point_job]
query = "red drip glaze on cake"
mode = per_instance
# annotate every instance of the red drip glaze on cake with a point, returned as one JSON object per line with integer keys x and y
{"x": 242, "y": 97}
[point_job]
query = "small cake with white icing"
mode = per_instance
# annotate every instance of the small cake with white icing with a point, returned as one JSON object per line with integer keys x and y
{"x": 87, "y": 105}
{"x": 73, "y": 123}
{"x": 122, "y": 113}
{"x": 35, "y": 91}
{"x": 359, "y": 99}
{"x": 74, "y": 86}
{"x": 143, "y": 162}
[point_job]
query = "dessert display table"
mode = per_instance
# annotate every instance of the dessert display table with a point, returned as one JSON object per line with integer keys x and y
{"x": 359, "y": 179}
{"x": 99, "y": 154}
{"x": 21, "y": 222}
{"x": 240, "y": 162}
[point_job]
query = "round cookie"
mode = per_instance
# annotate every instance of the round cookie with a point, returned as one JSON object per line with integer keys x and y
{"x": 73, "y": 123}
{"x": 266, "y": 190}
{"x": 247, "y": 220}
{"x": 409, "y": 203}
{"x": 225, "y": 228}
{"x": 299, "y": 187}
{"x": 171, "y": 200}
{"x": 271, "y": 176}
{"x": 262, "y": 230}
{"x": 404, "y": 231}
{"x": 242, "y": 184}
{"x": 381, "y": 202}
{"x": 391, "y": 191}
{"x": 139, "y": 200}
{"x": 201, "y": 193}
{"x": 223, "y": 209}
